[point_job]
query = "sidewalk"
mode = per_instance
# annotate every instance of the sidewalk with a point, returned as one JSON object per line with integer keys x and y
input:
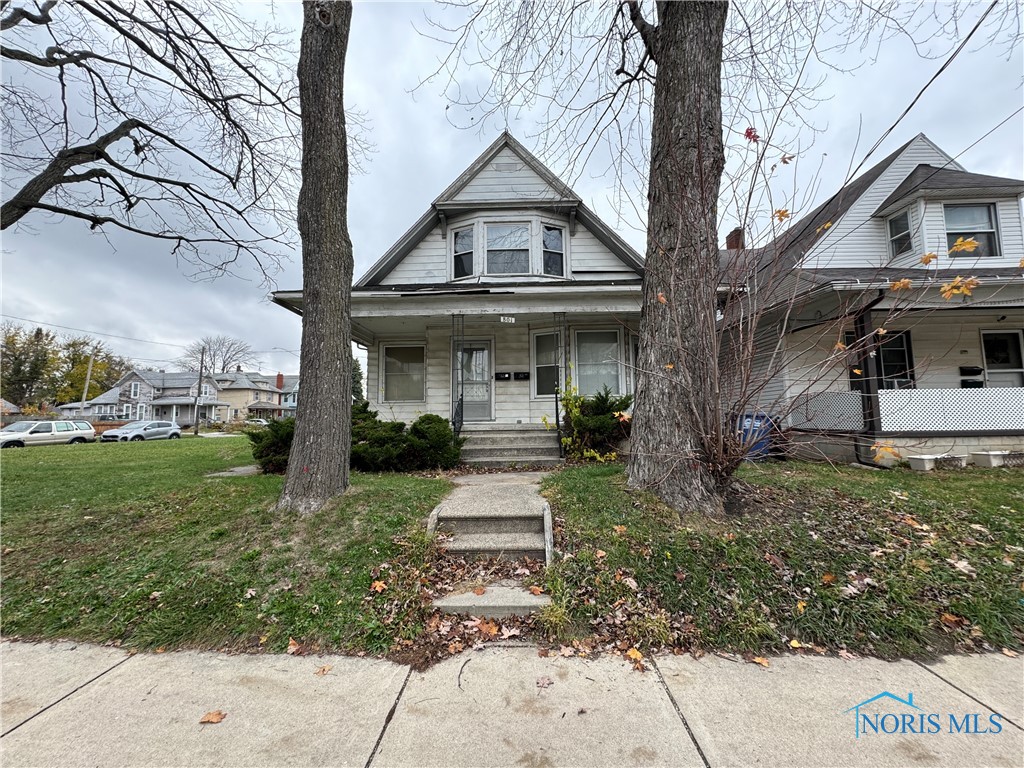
{"x": 67, "y": 705}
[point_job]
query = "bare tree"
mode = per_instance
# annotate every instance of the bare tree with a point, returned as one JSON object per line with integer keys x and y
{"x": 218, "y": 354}
{"x": 169, "y": 120}
{"x": 645, "y": 90}
{"x": 318, "y": 465}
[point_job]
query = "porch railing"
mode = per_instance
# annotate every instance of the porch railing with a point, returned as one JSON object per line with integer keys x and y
{"x": 457, "y": 417}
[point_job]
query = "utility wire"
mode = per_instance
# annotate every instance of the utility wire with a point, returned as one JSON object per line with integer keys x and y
{"x": 94, "y": 333}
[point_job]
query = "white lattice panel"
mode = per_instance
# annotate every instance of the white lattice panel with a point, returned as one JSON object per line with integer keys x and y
{"x": 829, "y": 412}
{"x": 952, "y": 410}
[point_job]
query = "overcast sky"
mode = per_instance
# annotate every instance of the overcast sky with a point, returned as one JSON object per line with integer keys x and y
{"x": 58, "y": 273}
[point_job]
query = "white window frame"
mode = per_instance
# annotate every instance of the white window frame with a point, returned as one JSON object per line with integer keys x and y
{"x": 471, "y": 226}
{"x": 530, "y": 237}
{"x": 984, "y": 363}
{"x": 126, "y": 410}
{"x": 559, "y": 348}
{"x": 205, "y": 390}
{"x": 382, "y": 369}
{"x": 576, "y": 355}
{"x": 134, "y": 393}
{"x": 535, "y": 222}
{"x": 541, "y": 248}
{"x": 893, "y": 238}
{"x": 993, "y": 216}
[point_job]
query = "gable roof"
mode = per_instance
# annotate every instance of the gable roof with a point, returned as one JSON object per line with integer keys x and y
{"x": 562, "y": 199}
{"x": 926, "y": 180}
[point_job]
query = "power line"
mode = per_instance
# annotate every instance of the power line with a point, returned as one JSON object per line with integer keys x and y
{"x": 94, "y": 333}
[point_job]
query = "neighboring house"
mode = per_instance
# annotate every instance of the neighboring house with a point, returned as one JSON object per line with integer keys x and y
{"x": 504, "y": 286}
{"x": 250, "y": 394}
{"x": 8, "y": 408}
{"x": 156, "y": 395}
{"x": 942, "y": 375}
{"x": 289, "y": 394}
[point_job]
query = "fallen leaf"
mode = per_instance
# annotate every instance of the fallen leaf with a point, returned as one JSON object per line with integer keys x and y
{"x": 293, "y": 647}
{"x": 542, "y": 652}
{"x": 828, "y": 578}
{"x": 488, "y": 628}
{"x": 801, "y": 606}
{"x": 479, "y": 590}
{"x": 507, "y": 632}
{"x": 566, "y": 651}
{"x": 850, "y": 590}
{"x": 845, "y": 654}
{"x": 455, "y": 646}
{"x": 921, "y": 565}
{"x": 600, "y": 553}
{"x": 544, "y": 682}
{"x": 321, "y": 671}
{"x": 952, "y": 620}
{"x": 760, "y": 660}
{"x": 634, "y": 654}
{"x": 161, "y": 649}
{"x": 619, "y": 529}
{"x": 378, "y": 586}
{"x": 1011, "y": 654}
{"x": 264, "y": 638}
{"x": 213, "y": 717}
{"x": 963, "y": 566}
{"x": 535, "y": 590}
{"x": 155, "y": 595}
{"x": 250, "y": 593}
{"x": 794, "y": 643}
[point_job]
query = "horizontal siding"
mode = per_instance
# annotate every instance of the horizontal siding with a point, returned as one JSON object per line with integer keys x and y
{"x": 427, "y": 263}
{"x": 519, "y": 182}
{"x": 857, "y": 240}
{"x": 591, "y": 260}
{"x": 1011, "y": 238}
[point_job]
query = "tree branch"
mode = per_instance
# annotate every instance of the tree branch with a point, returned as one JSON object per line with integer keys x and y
{"x": 19, "y": 15}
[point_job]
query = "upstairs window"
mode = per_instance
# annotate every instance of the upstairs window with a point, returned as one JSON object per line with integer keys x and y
{"x": 463, "y": 252}
{"x": 508, "y": 249}
{"x": 554, "y": 251}
{"x": 135, "y": 391}
{"x": 977, "y": 222}
{"x": 900, "y": 240}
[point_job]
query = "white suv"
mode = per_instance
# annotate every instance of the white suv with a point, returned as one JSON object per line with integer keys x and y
{"x": 22, "y": 433}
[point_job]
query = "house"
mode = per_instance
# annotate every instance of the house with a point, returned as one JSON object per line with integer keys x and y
{"x": 505, "y": 287}
{"x": 891, "y": 318}
{"x": 289, "y": 386}
{"x": 174, "y": 395}
{"x": 250, "y": 394}
{"x": 8, "y": 408}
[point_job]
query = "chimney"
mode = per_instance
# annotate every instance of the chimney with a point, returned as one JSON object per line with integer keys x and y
{"x": 280, "y": 380}
{"x": 238, "y": 369}
{"x": 734, "y": 240}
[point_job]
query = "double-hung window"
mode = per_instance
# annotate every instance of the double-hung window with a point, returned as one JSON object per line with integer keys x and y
{"x": 597, "y": 362}
{"x": 545, "y": 364}
{"x": 135, "y": 391}
{"x": 971, "y": 222}
{"x": 462, "y": 252}
{"x": 894, "y": 360}
{"x": 900, "y": 239}
{"x": 508, "y": 249}
{"x": 554, "y": 251}
{"x": 404, "y": 373}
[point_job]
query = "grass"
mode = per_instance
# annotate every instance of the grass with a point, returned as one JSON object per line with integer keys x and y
{"x": 132, "y": 544}
{"x": 886, "y": 563}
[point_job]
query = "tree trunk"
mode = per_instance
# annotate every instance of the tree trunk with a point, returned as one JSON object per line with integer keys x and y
{"x": 677, "y": 420}
{"x": 319, "y": 460}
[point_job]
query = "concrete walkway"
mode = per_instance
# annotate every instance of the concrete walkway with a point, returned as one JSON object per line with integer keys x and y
{"x": 71, "y": 705}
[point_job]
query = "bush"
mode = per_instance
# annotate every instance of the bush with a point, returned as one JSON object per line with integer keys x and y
{"x": 271, "y": 444}
{"x": 594, "y": 425}
{"x": 433, "y": 444}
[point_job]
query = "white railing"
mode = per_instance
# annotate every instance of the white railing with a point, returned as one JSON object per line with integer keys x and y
{"x": 828, "y": 412}
{"x": 952, "y": 410}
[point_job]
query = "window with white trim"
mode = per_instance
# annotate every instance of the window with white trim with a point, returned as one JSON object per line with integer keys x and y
{"x": 545, "y": 364}
{"x": 972, "y": 222}
{"x": 134, "y": 391}
{"x": 597, "y": 362}
{"x": 900, "y": 239}
{"x": 206, "y": 390}
{"x": 462, "y": 252}
{"x": 508, "y": 249}
{"x": 404, "y": 371}
{"x": 553, "y": 253}
{"x": 126, "y": 410}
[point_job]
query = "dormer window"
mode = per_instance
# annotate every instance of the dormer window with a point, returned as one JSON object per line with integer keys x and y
{"x": 554, "y": 251}
{"x": 900, "y": 239}
{"x": 508, "y": 249}
{"x": 463, "y": 252}
{"x": 972, "y": 222}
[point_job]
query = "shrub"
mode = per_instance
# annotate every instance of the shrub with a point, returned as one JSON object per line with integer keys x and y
{"x": 594, "y": 425}
{"x": 271, "y": 444}
{"x": 433, "y": 444}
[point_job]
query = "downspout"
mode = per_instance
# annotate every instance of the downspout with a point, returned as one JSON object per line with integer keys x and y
{"x": 862, "y": 326}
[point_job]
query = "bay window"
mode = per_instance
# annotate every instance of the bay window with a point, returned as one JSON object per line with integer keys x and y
{"x": 508, "y": 249}
{"x": 404, "y": 373}
{"x": 554, "y": 251}
{"x": 462, "y": 249}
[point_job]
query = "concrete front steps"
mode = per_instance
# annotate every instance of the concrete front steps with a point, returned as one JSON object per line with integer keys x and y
{"x": 499, "y": 601}
{"x": 503, "y": 445}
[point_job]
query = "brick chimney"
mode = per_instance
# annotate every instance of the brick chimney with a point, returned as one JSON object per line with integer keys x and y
{"x": 280, "y": 380}
{"x": 734, "y": 241}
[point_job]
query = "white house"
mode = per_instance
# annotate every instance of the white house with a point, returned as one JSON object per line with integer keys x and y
{"x": 933, "y": 361}
{"x": 171, "y": 395}
{"x": 503, "y": 288}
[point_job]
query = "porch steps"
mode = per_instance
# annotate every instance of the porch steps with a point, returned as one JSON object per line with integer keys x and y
{"x": 503, "y": 445}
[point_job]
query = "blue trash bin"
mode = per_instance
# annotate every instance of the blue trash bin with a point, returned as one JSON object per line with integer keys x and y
{"x": 756, "y": 431}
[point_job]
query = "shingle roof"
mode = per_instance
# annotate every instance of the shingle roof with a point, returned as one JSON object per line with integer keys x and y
{"x": 925, "y": 179}
{"x": 168, "y": 379}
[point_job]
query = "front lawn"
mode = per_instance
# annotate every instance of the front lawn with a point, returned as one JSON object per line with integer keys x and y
{"x": 887, "y": 563}
{"x": 131, "y": 543}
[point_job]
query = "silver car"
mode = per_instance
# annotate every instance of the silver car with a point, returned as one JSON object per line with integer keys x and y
{"x": 22, "y": 433}
{"x": 142, "y": 430}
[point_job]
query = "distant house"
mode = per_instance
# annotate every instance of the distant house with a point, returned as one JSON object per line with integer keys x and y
{"x": 250, "y": 394}
{"x": 8, "y": 408}
{"x": 290, "y": 393}
{"x": 939, "y": 374}
{"x": 170, "y": 395}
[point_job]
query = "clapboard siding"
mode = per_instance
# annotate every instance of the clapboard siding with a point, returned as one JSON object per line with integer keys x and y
{"x": 1008, "y": 227}
{"x": 858, "y": 240}
{"x": 427, "y": 263}
{"x": 507, "y": 177}
{"x": 591, "y": 260}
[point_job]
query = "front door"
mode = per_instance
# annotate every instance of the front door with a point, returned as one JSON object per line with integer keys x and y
{"x": 476, "y": 381}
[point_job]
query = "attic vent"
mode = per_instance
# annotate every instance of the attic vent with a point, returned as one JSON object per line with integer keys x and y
{"x": 506, "y": 167}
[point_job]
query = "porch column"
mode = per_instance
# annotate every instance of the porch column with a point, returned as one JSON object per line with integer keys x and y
{"x": 864, "y": 329}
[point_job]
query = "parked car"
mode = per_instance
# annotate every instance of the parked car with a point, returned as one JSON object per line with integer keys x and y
{"x": 257, "y": 422}
{"x": 142, "y": 430}
{"x": 22, "y": 433}
{"x": 109, "y": 417}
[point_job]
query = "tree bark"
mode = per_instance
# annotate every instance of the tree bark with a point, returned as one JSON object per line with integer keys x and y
{"x": 318, "y": 465}
{"x": 677, "y": 417}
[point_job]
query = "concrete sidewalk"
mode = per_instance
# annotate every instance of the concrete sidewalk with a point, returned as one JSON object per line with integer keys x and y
{"x": 70, "y": 705}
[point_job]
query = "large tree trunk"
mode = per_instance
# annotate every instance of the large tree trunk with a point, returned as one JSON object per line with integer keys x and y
{"x": 319, "y": 459}
{"x": 677, "y": 421}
